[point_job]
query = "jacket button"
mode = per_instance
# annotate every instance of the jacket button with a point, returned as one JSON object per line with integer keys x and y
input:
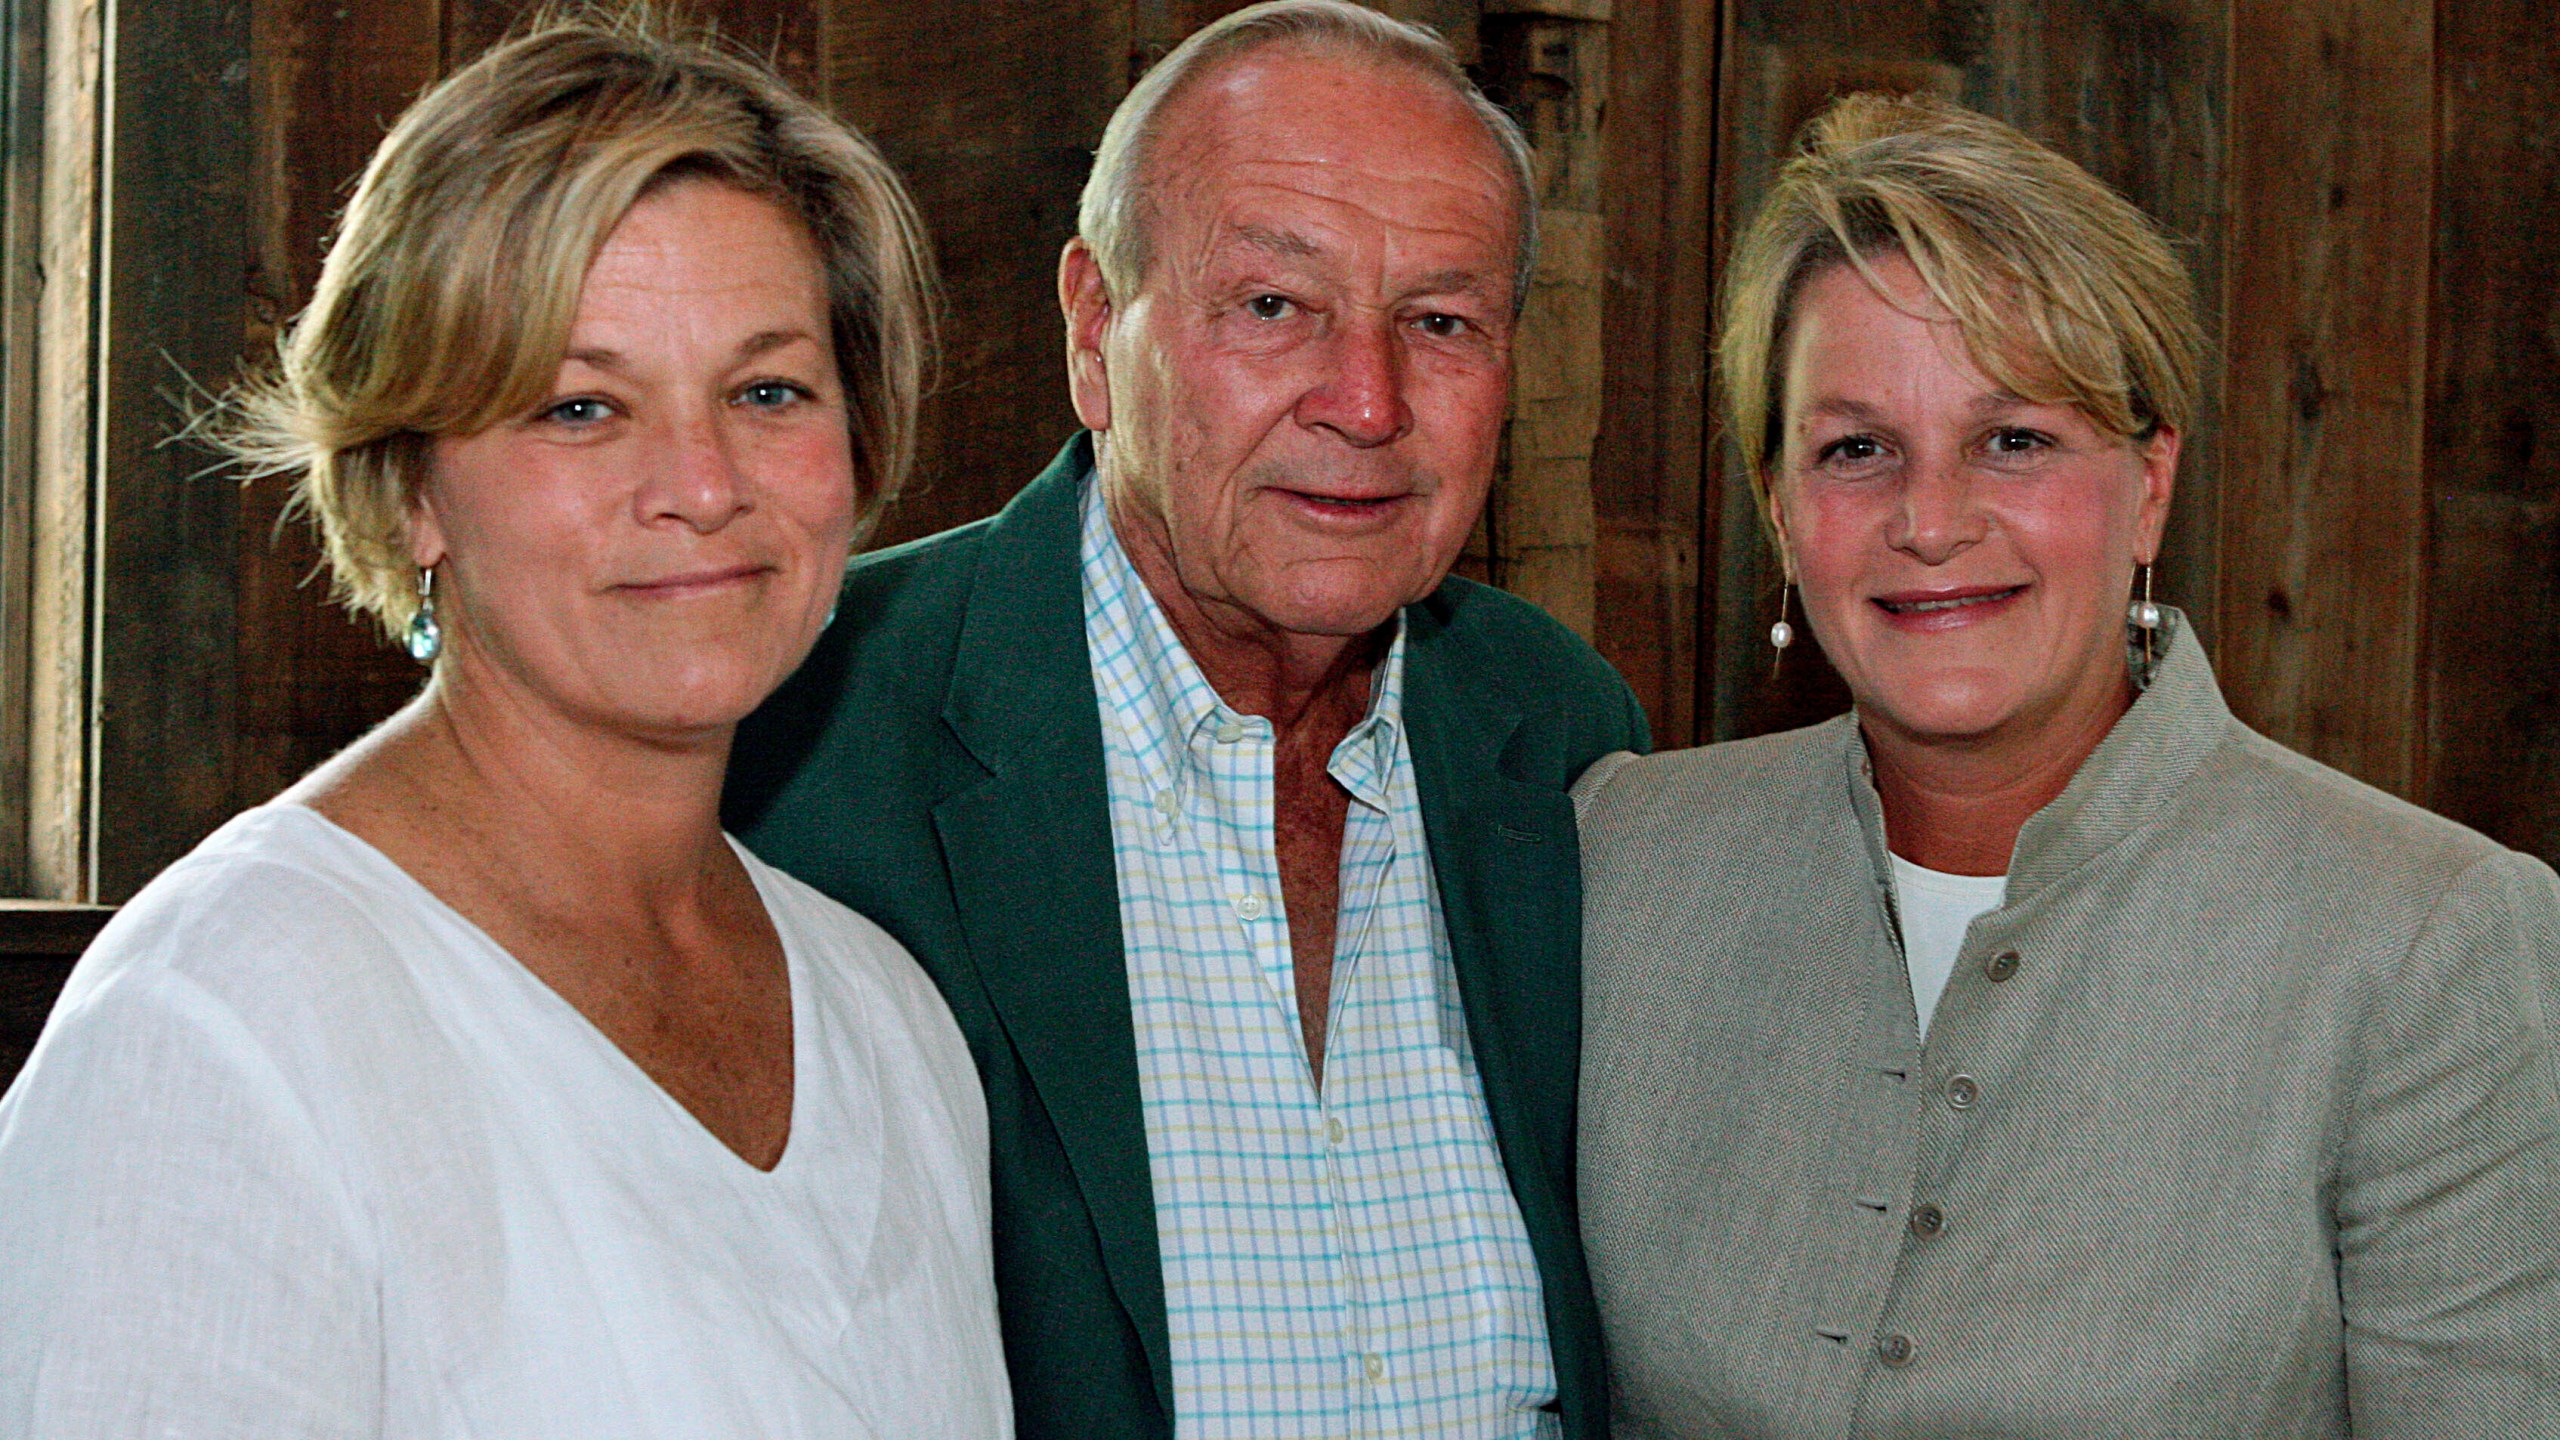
{"x": 1895, "y": 1350}
{"x": 1927, "y": 1220}
{"x": 1962, "y": 1092}
{"x": 2001, "y": 966}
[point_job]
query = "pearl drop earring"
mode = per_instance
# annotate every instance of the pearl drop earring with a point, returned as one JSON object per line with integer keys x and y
{"x": 2144, "y": 615}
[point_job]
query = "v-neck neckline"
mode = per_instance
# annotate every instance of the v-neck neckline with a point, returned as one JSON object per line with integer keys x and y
{"x": 544, "y": 997}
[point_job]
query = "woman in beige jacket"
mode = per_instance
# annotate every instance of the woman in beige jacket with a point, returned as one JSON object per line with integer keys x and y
{"x": 2036, "y": 1050}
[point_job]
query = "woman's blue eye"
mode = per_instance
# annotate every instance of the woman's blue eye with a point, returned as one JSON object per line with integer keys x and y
{"x": 584, "y": 410}
{"x": 771, "y": 394}
{"x": 1267, "y": 307}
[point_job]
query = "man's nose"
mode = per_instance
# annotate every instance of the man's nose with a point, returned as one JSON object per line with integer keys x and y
{"x": 692, "y": 475}
{"x": 1939, "y": 516}
{"x": 1361, "y": 397}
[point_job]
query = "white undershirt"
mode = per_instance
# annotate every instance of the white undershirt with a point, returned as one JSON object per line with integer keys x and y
{"x": 303, "y": 1153}
{"x": 1936, "y": 910}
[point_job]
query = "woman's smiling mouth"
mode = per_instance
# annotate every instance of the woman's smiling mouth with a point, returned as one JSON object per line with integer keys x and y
{"x": 1920, "y": 605}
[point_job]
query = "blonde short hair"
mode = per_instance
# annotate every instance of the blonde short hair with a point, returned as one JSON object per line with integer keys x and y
{"x": 448, "y": 294}
{"x": 1115, "y": 211}
{"x": 2063, "y": 291}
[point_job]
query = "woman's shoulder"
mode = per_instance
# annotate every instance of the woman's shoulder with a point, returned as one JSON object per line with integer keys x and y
{"x": 276, "y": 904}
{"x": 1733, "y": 778}
{"x": 2305, "y": 806}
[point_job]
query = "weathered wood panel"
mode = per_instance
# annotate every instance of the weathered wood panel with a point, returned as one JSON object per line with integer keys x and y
{"x": 1647, "y": 466}
{"x": 167, "y": 532}
{"x": 2134, "y": 89}
{"x": 990, "y": 109}
{"x": 2324, "y": 506}
{"x": 2493, "y": 425}
{"x": 784, "y": 32}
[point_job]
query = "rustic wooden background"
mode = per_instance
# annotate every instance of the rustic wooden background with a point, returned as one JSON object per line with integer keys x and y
{"x": 2368, "y": 531}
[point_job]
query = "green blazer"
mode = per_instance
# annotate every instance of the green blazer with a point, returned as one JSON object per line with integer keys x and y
{"x": 937, "y": 766}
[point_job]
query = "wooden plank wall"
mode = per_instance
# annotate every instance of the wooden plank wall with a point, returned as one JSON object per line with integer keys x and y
{"x": 2369, "y": 524}
{"x": 2490, "y": 746}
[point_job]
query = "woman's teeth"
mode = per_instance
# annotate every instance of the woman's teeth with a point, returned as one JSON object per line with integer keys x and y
{"x": 1931, "y": 607}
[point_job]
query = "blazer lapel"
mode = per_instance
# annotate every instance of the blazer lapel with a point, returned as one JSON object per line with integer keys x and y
{"x": 1031, "y": 863}
{"x": 1509, "y": 873}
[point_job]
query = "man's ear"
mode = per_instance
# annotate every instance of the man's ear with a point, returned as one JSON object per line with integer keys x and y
{"x": 1086, "y": 304}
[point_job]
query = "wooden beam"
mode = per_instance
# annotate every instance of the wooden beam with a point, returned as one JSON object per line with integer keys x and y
{"x": 2324, "y": 505}
{"x": 22, "y": 31}
{"x": 61, "y": 584}
{"x": 1553, "y": 73}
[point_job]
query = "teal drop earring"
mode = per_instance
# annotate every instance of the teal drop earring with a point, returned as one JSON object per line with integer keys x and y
{"x": 424, "y": 637}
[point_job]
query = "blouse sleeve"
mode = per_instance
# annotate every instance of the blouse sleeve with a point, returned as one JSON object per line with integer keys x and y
{"x": 181, "y": 1258}
{"x": 2449, "y": 1198}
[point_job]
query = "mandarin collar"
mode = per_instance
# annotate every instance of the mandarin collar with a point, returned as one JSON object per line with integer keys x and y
{"x": 2154, "y": 748}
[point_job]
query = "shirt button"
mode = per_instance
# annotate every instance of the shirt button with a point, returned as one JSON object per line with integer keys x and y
{"x": 2002, "y": 965}
{"x": 1248, "y": 907}
{"x": 1334, "y": 1131}
{"x": 1927, "y": 1220}
{"x": 1962, "y": 1092}
{"x": 1895, "y": 1350}
{"x": 1230, "y": 731}
{"x": 1375, "y": 1366}
{"x": 1167, "y": 803}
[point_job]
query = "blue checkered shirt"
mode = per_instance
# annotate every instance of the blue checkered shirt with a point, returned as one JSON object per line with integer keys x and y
{"x": 1343, "y": 1263}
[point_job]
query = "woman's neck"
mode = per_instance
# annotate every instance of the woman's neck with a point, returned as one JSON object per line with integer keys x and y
{"x": 1957, "y": 805}
{"x": 476, "y": 788}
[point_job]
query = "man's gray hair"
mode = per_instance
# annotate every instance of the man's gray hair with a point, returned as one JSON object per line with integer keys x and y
{"x": 1116, "y": 210}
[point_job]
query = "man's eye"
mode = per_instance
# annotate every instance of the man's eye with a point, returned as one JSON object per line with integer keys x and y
{"x": 1268, "y": 307}
{"x": 1442, "y": 327}
{"x": 579, "y": 410}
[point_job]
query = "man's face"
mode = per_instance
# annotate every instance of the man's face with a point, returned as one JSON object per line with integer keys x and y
{"x": 1300, "y": 406}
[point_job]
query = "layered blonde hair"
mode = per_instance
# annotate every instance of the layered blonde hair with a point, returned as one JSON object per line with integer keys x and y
{"x": 2063, "y": 292}
{"x": 448, "y": 295}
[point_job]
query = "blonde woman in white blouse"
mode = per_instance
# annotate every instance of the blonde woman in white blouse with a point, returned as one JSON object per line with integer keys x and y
{"x": 480, "y": 1084}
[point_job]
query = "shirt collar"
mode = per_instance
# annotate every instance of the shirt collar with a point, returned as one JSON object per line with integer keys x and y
{"x": 1161, "y": 691}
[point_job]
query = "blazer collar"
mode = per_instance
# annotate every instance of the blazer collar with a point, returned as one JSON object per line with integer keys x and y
{"x": 1021, "y": 675}
{"x": 2155, "y": 747}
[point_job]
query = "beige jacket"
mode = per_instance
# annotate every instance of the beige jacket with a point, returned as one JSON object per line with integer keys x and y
{"x": 2240, "y": 1118}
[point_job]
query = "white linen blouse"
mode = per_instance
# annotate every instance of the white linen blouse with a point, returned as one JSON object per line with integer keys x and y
{"x": 303, "y": 1152}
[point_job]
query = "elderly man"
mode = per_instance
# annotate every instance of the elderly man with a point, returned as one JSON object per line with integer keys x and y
{"x": 1235, "y": 832}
